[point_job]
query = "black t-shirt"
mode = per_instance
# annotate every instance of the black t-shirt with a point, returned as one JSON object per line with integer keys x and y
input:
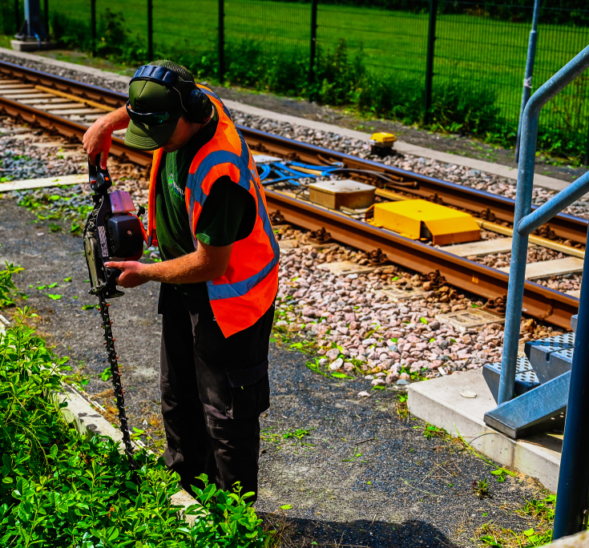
{"x": 228, "y": 215}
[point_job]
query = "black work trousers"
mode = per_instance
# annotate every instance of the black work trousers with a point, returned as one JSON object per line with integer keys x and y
{"x": 213, "y": 390}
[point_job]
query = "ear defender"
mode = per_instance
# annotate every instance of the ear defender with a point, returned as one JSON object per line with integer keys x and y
{"x": 199, "y": 108}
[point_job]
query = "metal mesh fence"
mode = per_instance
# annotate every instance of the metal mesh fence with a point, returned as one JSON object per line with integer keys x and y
{"x": 388, "y": 41}
{"x": 478, "y": 46}
{"x": 184, "y": 26}
{"x": 276, "y": 28}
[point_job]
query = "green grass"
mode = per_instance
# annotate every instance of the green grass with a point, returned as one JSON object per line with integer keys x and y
{"x": 468, "y": 47}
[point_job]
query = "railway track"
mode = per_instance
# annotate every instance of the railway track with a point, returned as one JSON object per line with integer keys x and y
{"x": 69, "y": 107}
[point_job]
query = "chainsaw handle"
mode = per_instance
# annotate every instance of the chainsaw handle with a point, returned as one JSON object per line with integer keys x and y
{"x": 100, "y": 180}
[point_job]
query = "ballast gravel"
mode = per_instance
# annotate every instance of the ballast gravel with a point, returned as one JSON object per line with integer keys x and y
{"x": 352, "y": 326}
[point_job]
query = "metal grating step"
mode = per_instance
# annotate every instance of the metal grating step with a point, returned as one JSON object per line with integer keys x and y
{"x": 552, "y": 356}
{"x": 525, "y": 377}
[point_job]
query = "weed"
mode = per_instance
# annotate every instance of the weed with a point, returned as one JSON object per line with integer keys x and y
{"x": 480, "y": 488}
{"x": 401, "y": 406}
{"x": 8, "y": 291}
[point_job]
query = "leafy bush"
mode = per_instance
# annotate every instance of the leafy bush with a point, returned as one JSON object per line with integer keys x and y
{"x": 8, "y": 290}
{"x": 59, "y": 489}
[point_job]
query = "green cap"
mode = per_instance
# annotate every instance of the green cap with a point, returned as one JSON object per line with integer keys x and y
{"x": 150, "y": 97}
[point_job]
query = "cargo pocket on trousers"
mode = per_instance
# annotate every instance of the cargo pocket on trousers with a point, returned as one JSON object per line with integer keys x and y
{"x": 250, "y": 391}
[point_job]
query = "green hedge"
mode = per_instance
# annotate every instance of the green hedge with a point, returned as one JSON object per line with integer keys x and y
{"x": 58, "y": 489}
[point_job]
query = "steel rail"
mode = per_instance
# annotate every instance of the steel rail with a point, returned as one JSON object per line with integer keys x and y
{"x": 542, "y": 303}
{"x": 564, "y": 226}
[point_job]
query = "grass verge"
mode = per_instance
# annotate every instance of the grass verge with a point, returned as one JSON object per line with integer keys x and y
{"x": 60, "y": 489}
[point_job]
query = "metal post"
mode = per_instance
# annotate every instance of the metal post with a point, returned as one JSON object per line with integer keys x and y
{"x": 572, "y": 501}
{"x": 527, "y": 92}
{"x": 221, "y": 67}
{"x": 429, "y": 69}
{"x": 93, "y": 25}
{"x": 149, "y": 30}
{"x": 313, "y": 49}
{"x": 46, "y": 14}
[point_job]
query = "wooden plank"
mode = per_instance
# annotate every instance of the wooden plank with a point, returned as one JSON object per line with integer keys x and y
{"x": 76, "y": 111}
{"x": 11, "y": 87}
{"x": 59, "y": 106}
{"x": 44, "y": 99}
{"x": 482, "y": 247}
{"x": 26, "y": 184}
{"x": 21, "y": 96}
{"x": 557, "y": 267}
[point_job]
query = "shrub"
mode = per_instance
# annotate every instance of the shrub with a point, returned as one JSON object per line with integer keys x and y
{"x": 59, "y": 489}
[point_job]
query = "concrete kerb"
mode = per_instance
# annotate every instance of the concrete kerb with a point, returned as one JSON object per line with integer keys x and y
{"x": 89, "y": 422}
{"x": 542, "y": 181}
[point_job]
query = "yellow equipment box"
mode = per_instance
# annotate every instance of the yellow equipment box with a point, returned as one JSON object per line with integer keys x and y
{"x": 417, "y": 219}
{"x": 383, "y": 139}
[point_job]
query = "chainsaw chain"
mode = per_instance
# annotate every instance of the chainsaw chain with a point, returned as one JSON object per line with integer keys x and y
{"x": 116, "y": 379}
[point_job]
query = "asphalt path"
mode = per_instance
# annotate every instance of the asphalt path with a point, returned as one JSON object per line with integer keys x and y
{"x": 335, "y": 469}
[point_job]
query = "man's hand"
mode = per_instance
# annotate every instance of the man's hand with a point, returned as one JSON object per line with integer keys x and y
{"x": 98, "y": 138}
{"x": 132, "y": 273}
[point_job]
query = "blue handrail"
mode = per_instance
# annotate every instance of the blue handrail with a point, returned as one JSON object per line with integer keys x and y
{"x": 523, "y": 207}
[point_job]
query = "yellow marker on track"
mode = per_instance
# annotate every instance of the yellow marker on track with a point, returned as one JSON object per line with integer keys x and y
{"x": 417, "y": 219}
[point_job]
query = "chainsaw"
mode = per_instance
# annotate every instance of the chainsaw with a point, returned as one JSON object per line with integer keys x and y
{"x": 112, "y": 233}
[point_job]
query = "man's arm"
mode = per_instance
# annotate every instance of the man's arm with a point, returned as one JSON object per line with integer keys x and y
{"x": 206, "y": 263}
{"x": 98, "y": 138}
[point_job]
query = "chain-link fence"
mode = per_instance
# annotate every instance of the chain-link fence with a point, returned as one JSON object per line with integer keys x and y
{"x": 373, "y": 57}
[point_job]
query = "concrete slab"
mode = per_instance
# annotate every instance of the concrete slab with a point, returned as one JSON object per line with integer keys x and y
{"x": 557, "y": 267}
{"x": 482, "y": 247}
{"x": 440, "y": 402}
{"x": 343, "y": 268}
{"x": 43, "y": 182}
{"x": 574, "y": 293}
{"x": 471, "y": 318}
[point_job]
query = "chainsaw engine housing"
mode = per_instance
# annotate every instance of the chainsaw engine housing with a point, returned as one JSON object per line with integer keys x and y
{"x": 112, "y": 233}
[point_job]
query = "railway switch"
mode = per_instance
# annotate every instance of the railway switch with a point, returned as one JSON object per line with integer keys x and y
{"x": 416, "y": 219}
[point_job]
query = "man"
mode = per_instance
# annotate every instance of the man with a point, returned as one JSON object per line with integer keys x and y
{"x": 219, "y": 274}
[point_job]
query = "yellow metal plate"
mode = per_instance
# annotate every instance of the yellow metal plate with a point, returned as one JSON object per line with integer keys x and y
{"x": 414, "y": 218}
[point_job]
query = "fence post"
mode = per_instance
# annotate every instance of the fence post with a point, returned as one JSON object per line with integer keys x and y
{"x": 46, "y": 10}
{"x": 93, "y": 25}
{"x": 149, "y": 31}
{"x": 17, "y": 15}
{"x": 221, "y": 67}
{"x": 429, "y": 69}
{"x": 313, "y": 49}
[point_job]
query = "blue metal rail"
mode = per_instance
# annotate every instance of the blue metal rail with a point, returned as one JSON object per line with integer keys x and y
{"x": 573, "y": 487}
{"x": 524, "y": 221}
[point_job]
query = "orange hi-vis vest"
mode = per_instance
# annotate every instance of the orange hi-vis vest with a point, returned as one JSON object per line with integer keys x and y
{"x": 246, "y": 291}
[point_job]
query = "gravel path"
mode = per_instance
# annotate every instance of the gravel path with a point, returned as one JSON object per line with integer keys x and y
{"x": 359, "y": 476}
